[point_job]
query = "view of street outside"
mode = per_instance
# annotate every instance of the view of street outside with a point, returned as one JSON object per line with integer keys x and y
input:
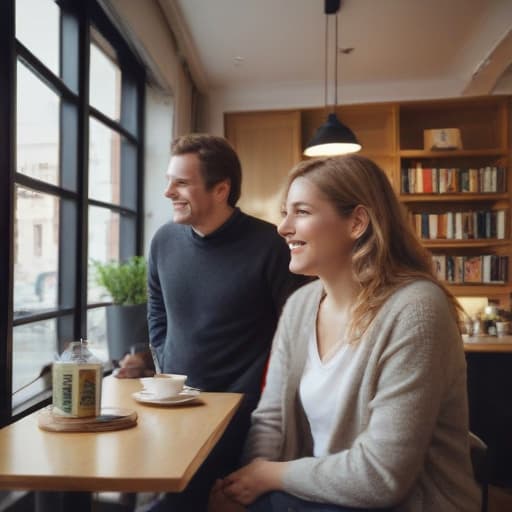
{"x": 37, "y": 232}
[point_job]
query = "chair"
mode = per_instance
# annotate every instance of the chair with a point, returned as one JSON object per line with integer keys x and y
{"x": 480, "y": 463}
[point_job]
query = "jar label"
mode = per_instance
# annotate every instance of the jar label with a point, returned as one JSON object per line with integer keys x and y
{"x": 77, "y": 389}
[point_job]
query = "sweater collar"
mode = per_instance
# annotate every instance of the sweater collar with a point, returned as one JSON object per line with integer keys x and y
{"x": 222, "y": 232}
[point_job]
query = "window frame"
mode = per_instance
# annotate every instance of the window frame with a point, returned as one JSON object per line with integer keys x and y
{"x": 77, "y": 20}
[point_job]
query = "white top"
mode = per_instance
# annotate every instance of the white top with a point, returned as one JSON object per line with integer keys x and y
{"x": 321, "y": 388}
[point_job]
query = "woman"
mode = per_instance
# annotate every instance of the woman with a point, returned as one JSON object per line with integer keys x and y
{"x": 365, "y": 403}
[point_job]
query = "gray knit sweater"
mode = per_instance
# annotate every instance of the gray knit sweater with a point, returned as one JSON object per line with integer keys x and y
{"x": 401, "y": 437}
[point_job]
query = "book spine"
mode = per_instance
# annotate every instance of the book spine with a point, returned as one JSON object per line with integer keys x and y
{"x": 425, "y": 232}
{"x": 500, "y": 224}
{"x": 419, "y": 178}
{"x": 450, "y": 225}
{"x": 427, "y": 181}
{"x": 405, "y": 181}
{"x": 458, "y": 226}
{"x": 432, "y": 226}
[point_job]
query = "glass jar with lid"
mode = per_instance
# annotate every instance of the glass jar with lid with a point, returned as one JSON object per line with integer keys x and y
{"x": 77, "y": 377}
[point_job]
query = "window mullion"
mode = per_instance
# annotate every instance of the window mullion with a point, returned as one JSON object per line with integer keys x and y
{"x": 7, "y": 145}
{"x": 83, "y": 174}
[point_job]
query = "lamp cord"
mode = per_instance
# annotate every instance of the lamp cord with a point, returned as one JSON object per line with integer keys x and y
{"x": 336, "y": 63}
{"x": 326, "y": 62}
{"x": 326, "y": 59}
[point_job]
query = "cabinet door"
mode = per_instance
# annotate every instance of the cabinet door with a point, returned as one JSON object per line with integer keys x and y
{"x": 374, "y": 126}
{"x": 268, "y": 144}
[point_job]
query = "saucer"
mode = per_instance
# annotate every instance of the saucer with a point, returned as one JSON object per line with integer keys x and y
{"x": 187, "y": 395}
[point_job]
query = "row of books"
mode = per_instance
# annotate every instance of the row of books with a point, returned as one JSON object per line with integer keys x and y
{"x": 487, "y": 269}
{"x": 427, "y": 180}
{"x": 466, "y": 225}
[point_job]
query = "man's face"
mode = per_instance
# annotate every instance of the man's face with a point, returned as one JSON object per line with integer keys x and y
{"x": 192, "y": 203}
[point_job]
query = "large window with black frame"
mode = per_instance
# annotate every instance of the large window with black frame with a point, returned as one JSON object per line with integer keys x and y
{"x": 71, "y": 183}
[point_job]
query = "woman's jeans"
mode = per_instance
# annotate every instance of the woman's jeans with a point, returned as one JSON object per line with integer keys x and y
{"x": 283, "y": 502}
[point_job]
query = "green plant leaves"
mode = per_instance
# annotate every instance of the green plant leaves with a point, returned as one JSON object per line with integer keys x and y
{"x": 126, "y": 282}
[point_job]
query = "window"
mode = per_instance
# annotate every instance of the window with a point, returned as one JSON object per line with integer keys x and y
{"x": 70, "y": 175}
{"x": 38, "y": 240}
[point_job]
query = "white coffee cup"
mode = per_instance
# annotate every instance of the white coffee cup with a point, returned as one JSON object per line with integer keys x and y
{"x": 164, "y": 385}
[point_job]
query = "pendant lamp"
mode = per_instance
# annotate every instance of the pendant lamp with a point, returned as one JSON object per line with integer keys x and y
{"x": 333, "y": 137}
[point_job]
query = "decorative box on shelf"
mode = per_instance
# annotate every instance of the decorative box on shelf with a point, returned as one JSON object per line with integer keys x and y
{"x": 442, "y": 139}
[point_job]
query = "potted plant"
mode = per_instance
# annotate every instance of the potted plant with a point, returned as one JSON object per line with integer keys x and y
{"x": 127, "y": 316}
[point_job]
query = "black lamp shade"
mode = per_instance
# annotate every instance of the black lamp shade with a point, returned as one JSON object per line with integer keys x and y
{"x": 332, "y": 138}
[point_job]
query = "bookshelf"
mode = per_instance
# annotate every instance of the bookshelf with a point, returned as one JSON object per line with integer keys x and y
{"x": 392, "y": 135}
{"x": 483, "y": 125}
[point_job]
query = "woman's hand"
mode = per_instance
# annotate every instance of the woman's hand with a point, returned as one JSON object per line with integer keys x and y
{"x": 219, "y": 502}
{"x": 251, "y": 481}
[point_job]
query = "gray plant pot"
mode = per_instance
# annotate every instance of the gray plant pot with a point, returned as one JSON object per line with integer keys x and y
{"x": 126, "y": 326}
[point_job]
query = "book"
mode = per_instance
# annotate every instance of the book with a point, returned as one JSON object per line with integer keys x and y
{"x": 473, "y": 180}
{"x": 412, "y": 180}
{"x": 487, "y": 180}
{"x": 467, "y": 225}
{"x": 417, "y": 224}
{"x": 405, "y": 181}
{"x": 500, "y": 224}
{"x": 472, "y": 269}
{"x": 450, "y": 225}
{"x": 494, "y": 179}
{"x": 442, "y": 227}
{"x": 458, "y": 226}
{"x": 427, "y": 181}
{"x": 435, "y": 180}
{"x": 459, "y": 269}
{"x": 452, "y": 176}
{"x": 486, "y": 268}
{"x": 501, "y": 180}
{"x": 439, "y": 266}
{"x": 419, "y": 178}
{"x": 443, "y": 180}
{"x": 424, "y": 226}
{"x": 488, "y": 215}
{"x": 432, "y": 226}
{"x": 450, "y": 269}
{"x": 464, "y": 180}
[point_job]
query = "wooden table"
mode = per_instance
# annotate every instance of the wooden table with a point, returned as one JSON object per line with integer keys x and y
{"x": 160, "y": 454}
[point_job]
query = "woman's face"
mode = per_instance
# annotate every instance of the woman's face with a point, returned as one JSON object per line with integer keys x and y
{"x": 320, "y": 240}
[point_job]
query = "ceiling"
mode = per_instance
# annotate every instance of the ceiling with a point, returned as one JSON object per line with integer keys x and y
{"x": 241, "y": 43}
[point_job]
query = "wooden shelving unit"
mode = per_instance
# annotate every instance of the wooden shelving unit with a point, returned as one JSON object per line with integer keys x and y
{"x": 484, "y": 127}
{"x": 466, "y": 244}
{"x": 452, "y": 154}
{"x": 452, "y": 198}
{"x": 269, "y": 143}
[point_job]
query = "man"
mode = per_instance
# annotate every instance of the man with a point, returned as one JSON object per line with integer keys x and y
{"x": 217, "y": 280}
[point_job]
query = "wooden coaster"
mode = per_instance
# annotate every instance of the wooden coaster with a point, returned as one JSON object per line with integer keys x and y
{"x": 111, "y": 418}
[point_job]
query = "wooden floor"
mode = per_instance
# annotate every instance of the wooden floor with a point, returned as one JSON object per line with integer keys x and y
{"x": 500, "y": 500}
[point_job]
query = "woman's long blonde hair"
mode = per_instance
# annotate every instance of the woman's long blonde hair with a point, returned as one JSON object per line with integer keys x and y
{"x": 388, "y": 255}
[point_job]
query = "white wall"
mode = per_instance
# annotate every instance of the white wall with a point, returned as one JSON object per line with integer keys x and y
{"x": 291, "y": 96}
{"x": 143, "y": 23}
{"x": 168, "y": 98}
{"x": 157, "y": 208}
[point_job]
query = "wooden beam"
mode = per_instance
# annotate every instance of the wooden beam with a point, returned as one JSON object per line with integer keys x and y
{"x": 485, "y": 78}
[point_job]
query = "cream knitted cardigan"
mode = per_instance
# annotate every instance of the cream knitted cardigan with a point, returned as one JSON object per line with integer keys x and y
{"x": 401, "y": 437}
